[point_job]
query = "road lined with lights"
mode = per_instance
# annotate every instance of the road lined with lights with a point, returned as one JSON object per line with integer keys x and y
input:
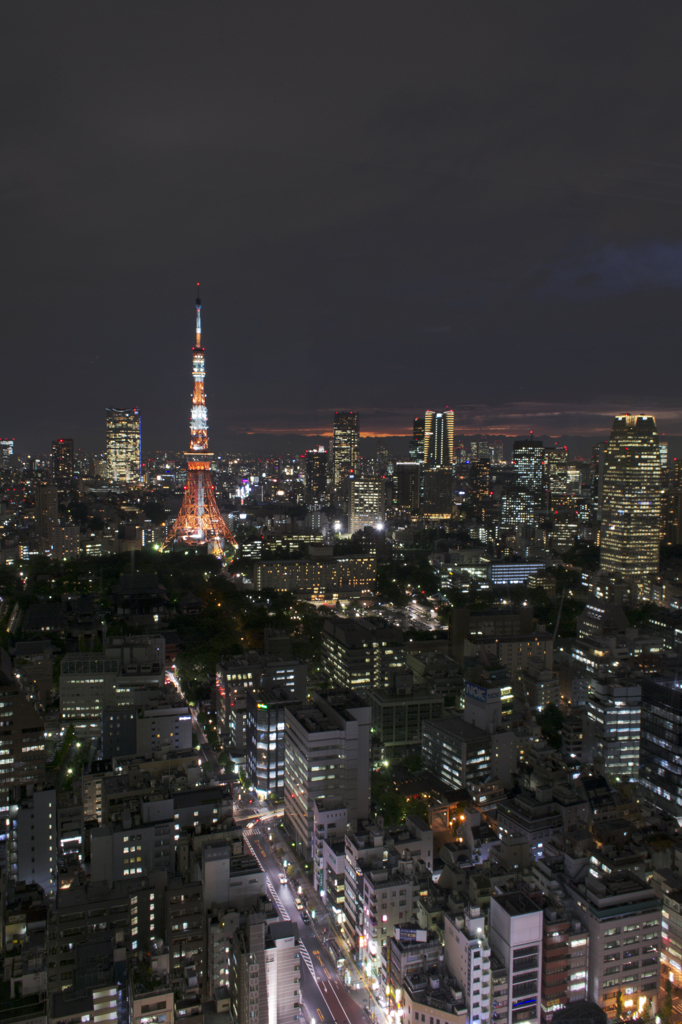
{"x": 205, "y": 747}
{"x": 323, "y": 995}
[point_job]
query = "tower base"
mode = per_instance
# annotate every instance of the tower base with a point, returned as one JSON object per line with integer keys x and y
{"x": 199, "y": 521}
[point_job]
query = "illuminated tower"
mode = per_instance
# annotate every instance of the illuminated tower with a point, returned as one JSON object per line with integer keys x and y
{"x": 199, "y": 521}
{"x": 123, "y": 445}
{"x": 439, "y": 438}
{"x": 346, "y": 436}
{"x": 631, "y": 516}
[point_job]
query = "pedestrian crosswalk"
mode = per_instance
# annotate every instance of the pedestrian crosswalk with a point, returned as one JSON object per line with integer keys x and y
{"x": 278, "y": 903}
{"x": 306, "y": 958}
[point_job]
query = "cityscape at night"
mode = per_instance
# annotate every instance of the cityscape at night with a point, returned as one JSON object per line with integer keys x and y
{"x": 341, "y": 592}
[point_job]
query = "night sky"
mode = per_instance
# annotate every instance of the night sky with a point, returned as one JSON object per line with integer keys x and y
{"x": 390, "y": 206}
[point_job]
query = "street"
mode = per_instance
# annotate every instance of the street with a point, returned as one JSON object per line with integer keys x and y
{"x": 324, "y": 996}
{"x": 205, "y": 747}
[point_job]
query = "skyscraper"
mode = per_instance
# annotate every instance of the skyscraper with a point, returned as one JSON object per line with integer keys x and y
{"x": 660, "y": 770}
{"x": 123, "y": 445}
{"x": 47, "y": 512}
{"x": 6, "y": 450}
{"x": 407, "y": 487}
{"x": 316, "y": 471}
{"x": 612, "y": 740}
{"x": 417, "y": 442}
{"x": 557, "y": 472}
{"x": 199, "y": 520}
{"x": 62, "y": 459}
{"x": 366, "y": 504}
{"x": 531, "y": 465}
{"x": 439, "y": 438}
{"x": 631, "y": 504}
{"x": 345, "y": 444}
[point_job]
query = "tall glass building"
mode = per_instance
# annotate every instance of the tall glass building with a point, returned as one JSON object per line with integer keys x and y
{"x": 346, "y": 444}
{"x": 124, "y": 445}
{"x": 439, "y": 438}
{"x": 614, "y": 712}
{"x": 631, "y": 501}
{"x": 660, "y": 770}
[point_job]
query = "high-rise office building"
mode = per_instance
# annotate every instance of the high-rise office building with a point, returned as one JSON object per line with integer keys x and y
{"x": 33, "y": 840}
{"x": 47, "y": 511}
{"x": 417, "y": 442}
{"x": 439, "y": 438}
{"x": 366, "y": 503}
{"x": 346, "y": 441}
{"x": 6, "y": 450}
{"x": 316, "y": 471}
{"x": 557, "y": 472}
{"x": 530, "y": 459}
{"x": 62, "y": 459}
{"x": 407, "y": 487}
{"x": 327, "y": 754}
{"x": 479, "y": 481}
{"x": 123, "y": 445}
{"x": 660, "y": 769}
{"x": 22, "y": 743}
{"x": 631, "y": 504}
{"x": 614, "y": 711}
{"x": 437, "y": 484}
{"x": 623, "y": 917}
{"x": 360, "y": 652}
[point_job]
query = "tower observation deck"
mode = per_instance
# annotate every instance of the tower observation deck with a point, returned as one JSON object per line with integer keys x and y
{"x": 199, "y": 521}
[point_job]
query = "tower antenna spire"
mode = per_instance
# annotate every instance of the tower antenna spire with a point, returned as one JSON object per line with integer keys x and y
{"x": 199, "y": 520}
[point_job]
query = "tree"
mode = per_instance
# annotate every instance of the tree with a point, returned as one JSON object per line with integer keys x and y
{"x": 619, "y": 1005}
{"x": 550, "y": 721}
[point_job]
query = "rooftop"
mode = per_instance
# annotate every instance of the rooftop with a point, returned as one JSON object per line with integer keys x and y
{"x": 516, "y": 903}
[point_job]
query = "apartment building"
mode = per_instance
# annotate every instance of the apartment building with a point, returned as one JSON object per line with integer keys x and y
{"x": 467, "y": 958}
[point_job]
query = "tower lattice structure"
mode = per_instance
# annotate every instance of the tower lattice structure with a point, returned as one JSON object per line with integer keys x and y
{"x": 199, "y": 520}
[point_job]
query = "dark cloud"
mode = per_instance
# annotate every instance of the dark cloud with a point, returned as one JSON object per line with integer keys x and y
{"x": 389, "y": 207}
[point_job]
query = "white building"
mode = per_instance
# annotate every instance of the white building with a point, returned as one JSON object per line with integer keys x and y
{"x": 515, "y": 936}
{"x": 467, "y": 957}
{"x": 327, "y": 748}
{"x": 282, "y": 972}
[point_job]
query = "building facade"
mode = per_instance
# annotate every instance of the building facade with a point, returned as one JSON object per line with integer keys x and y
{"x": 366, "y": 504}
{"x": 631, "y": 504}
{"x": 346, "y": 442}
{"x": 614, "y": 712}
{"x": 327, "y": 754}
{"x": 515, "y": 935}
{"x": 124, "y": 445}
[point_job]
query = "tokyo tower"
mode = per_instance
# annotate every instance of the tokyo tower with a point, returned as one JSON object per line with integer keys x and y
{"x": 199, "y": 521}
